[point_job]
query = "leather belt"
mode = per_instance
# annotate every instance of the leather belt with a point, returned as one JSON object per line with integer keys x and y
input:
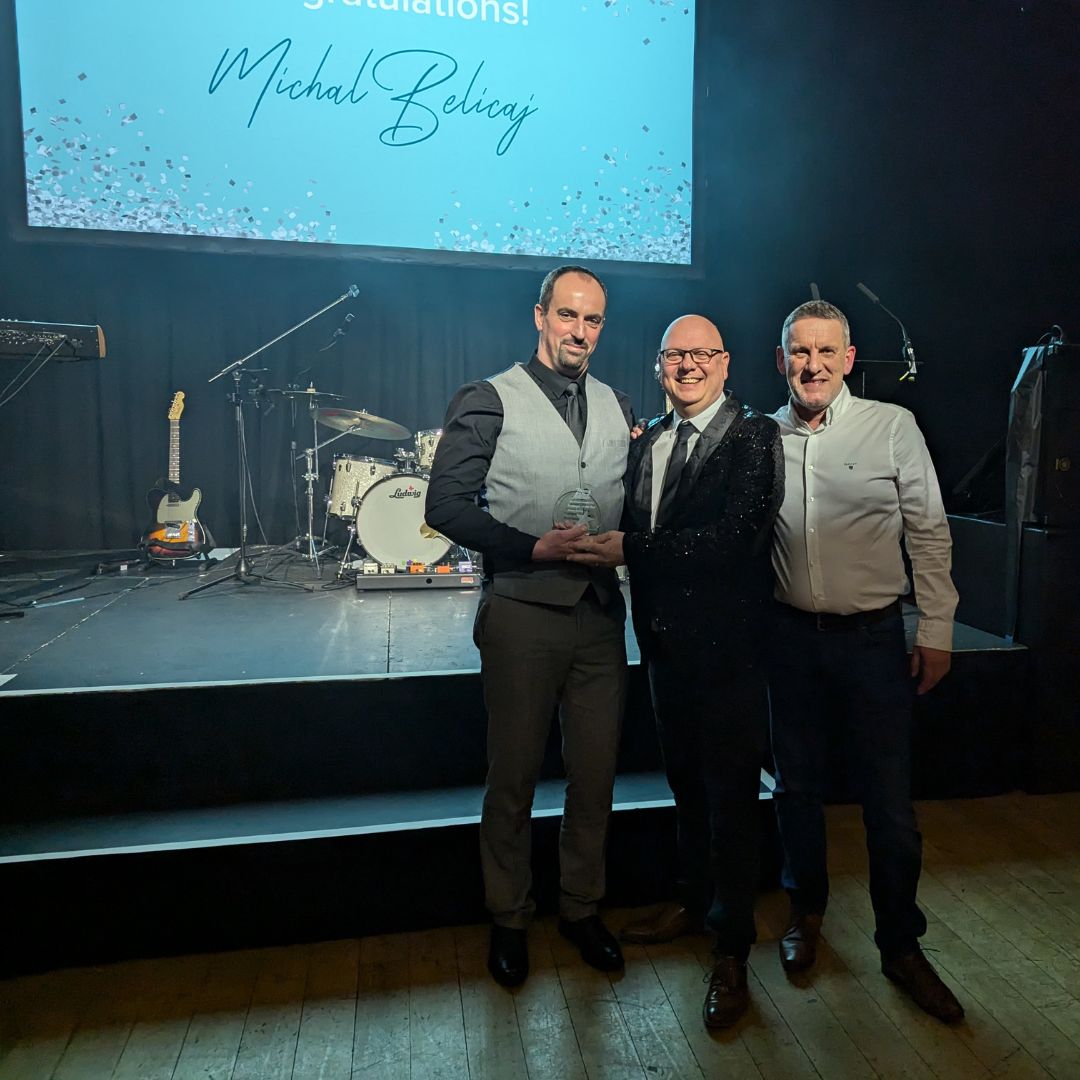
{"x": 827, "y": 620}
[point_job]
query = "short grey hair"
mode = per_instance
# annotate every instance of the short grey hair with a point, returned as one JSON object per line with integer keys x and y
{"x": 816, "y": 309}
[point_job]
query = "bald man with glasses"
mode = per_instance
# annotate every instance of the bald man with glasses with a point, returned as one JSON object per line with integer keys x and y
{"x": 703, "y": 486}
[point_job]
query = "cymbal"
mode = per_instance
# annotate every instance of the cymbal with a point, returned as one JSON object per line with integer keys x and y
{"x": 310, "y": 393}
{"x": 362, "y": 423}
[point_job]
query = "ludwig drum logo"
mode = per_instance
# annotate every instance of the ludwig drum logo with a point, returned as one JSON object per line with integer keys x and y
{"x": 406, "y": 493}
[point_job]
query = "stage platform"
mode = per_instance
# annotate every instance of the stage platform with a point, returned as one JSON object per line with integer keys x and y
{"x": 325, "y": 743}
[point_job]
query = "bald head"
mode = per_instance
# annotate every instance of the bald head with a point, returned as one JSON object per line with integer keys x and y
{"x": 693, "y": 364}
{"x": 692, "y": 326}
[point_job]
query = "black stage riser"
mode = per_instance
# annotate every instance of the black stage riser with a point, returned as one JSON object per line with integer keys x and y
{"x": 88, "y": 911}
{"x": 193, "y": 746}
{"x": 67, "y": 755}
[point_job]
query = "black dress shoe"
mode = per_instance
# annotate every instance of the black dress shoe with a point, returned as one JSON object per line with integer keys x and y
{"x": 508, "y": 956}
{"x": 597, "y": 945}
{"x": 670, "y": 922}
{"x": 727, "y": 997}
{"x": 914, "y": 974}
{"x": 798, "y": 946}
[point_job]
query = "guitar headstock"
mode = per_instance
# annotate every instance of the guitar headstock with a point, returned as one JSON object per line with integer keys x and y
{"x": 177, "y": 406}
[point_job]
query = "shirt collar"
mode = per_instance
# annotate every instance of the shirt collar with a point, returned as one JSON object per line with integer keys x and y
{"x": 551, "y": 380}
{"x": 703, "y": 418}
{"x": 838, "y": 407}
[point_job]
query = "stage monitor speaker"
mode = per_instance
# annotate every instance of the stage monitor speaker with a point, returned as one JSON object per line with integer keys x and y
{"x": 1044, "y": 434}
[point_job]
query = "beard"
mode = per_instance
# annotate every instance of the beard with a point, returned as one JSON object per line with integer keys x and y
{"x": 572, "y": 363}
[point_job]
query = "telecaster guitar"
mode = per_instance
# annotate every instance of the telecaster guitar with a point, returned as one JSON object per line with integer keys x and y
{"x": 175, "y": 531}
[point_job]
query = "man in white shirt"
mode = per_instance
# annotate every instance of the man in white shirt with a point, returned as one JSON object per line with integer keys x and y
{"x": 858, "y": 479}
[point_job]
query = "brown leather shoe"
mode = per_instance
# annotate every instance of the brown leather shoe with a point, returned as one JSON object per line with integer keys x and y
{"x": 914, "y": 974}
{"x": 727, "y": 997}
{"x": 666, "y": 924}
{"x": 798, "y": 946}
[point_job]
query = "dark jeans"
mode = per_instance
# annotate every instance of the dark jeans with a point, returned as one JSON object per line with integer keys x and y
{"x": 713, "y": 724}
{"x": 847, "y": 686}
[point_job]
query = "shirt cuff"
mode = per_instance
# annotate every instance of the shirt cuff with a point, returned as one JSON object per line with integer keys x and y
{"x": 934, "y": 633}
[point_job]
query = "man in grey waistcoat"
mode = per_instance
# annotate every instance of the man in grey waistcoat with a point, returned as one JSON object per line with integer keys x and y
{"x": 523, "y": 454}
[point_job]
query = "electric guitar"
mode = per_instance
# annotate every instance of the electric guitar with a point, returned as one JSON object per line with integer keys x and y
{"x": 175, "y": 531}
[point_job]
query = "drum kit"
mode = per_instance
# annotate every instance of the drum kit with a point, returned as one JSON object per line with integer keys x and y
{"x": 381, "y": 500}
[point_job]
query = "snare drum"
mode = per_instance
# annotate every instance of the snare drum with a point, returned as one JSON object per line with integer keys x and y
{"x": 390, "y": 522}
{"x": 426, "y": 441}
{"x": 352, "y": 477}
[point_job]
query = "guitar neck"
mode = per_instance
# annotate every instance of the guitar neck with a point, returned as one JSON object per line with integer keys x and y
{"x": 174, "y": 451}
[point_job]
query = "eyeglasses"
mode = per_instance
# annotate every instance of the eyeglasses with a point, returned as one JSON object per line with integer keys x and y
{"x": 699, "y": 356}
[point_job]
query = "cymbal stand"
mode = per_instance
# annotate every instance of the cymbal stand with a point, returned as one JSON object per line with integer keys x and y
{"x": 311, "y": 478}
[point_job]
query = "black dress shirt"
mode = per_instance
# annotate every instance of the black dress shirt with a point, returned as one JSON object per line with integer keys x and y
{"x": 470, "y": 431}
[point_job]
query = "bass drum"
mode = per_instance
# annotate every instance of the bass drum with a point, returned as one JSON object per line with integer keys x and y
{"x": 390, "y": 522}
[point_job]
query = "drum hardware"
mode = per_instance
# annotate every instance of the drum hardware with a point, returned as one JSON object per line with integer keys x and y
{"x": 241, "y": 571}
{"x": 348, "y": 547}
{"x": 310, "y": 475}
{"x": 296, "y": 393}
{"x": 406, "y": 460}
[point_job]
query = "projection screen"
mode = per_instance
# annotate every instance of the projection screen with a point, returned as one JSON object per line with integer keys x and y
{"x": 519, "y": 127}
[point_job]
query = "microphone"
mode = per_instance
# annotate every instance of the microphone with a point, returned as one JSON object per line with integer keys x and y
{"x": 336, "y": 336}
{"x": 906, "y": 348}
{"x": 343, "y": 329}
{"x": 815, "y": 292}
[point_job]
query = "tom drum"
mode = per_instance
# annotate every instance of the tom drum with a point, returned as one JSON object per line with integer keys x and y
{"x": 352, "y": 477}
{"x": 426, "y": 441}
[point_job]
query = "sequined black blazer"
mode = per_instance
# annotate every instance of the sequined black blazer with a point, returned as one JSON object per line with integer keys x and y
{"x": 704, "y": 580}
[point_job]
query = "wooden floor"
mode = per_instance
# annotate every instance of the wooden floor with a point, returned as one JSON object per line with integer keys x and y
{"x": 1001, "y": 890}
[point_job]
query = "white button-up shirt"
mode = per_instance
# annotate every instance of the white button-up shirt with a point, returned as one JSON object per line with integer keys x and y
{"x": 853, "y": 486}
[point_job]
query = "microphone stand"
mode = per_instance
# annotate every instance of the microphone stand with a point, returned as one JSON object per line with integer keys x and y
{"x": 241, "y": 571}
{"x": 906, "y": 348}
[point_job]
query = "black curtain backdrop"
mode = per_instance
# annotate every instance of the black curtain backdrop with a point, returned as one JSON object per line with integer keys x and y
{"x": 928, "y": 149}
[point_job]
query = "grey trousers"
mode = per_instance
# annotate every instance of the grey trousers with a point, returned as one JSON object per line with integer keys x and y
{"x": 536, "y": 658}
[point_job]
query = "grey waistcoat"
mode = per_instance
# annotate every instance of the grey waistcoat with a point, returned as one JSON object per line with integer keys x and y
{"x": 536, "y": 460}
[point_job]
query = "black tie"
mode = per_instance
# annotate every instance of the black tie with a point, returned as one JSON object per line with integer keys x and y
{"x": 674, "y": 471}
{"x": 575, "y": 418}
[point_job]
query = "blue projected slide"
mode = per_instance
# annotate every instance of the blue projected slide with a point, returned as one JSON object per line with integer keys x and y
{"x": 523, "y": 127}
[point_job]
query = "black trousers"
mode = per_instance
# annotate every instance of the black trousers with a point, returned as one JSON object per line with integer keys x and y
{"x": 712, "y": 720}
{"x": 847, "y": 685}
{"x": 537, "y": 659}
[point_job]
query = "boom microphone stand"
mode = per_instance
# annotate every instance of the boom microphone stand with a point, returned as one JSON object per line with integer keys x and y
{"x": 241, "y": 572}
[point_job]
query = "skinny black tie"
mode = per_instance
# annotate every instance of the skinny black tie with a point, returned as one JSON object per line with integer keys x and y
{"x": 575, "y": 418}
{"x": 674, "y": 471}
